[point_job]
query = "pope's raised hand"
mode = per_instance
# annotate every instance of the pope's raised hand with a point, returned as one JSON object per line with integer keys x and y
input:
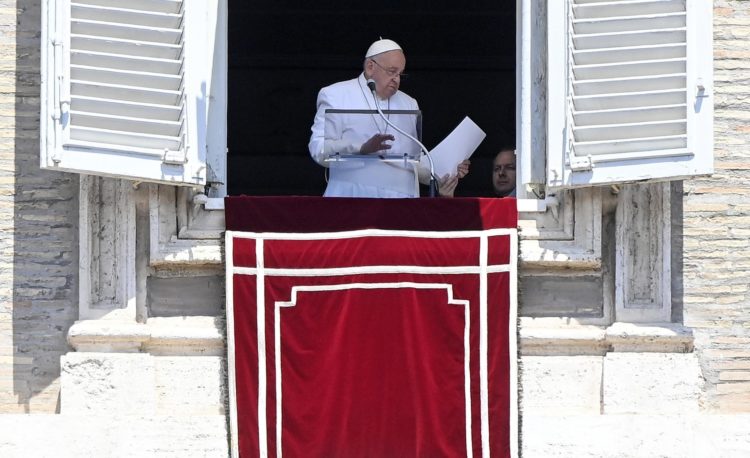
{"x": 376, "y": 143}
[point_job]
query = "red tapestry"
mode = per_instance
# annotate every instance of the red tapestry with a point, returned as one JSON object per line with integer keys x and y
{"x": 372, "y": 341}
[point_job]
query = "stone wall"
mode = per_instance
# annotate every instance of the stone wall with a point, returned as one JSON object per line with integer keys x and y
{"x": 38, "y": 233}
{"x": 716, "y": 251}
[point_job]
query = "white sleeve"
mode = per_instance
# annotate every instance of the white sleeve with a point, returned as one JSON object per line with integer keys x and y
{"x": 319, "y": 147}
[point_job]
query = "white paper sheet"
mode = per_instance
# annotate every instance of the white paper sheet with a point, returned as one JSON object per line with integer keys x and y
{"x": 460, "y": 144}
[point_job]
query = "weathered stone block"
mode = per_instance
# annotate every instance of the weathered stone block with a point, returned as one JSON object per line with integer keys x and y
{"x": 646, "y": 383}
{"x": 190, "y": 385}
{"x": 561, "y": 385}
{"x": 108, "y": 382}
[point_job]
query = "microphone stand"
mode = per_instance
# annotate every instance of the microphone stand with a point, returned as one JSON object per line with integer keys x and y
{"x": 433, "y": 182}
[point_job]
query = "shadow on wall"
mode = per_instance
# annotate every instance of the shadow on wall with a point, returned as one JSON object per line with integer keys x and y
{"x": 44, "y": 235}
{"x": 677, "y": 252}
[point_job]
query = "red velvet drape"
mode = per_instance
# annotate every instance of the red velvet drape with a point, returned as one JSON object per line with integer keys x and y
{"x": 371, "y": 328}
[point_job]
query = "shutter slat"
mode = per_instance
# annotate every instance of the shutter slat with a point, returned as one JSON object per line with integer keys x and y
{"x": 162, "y": 6}
{"x": 623, "y": 85}
{"x": 626, "y": 8}
{"x": 629, "y": 39}
{"x": 126, "y": 124}
{"x": 141, "y": 143}
{"x": 123, "y": 77}
{"x": 125, "y": 47}
{"x": 125, "y": 31}
{"x": 629, "y": 69}
{"x": 629, "y": 24}
{"x": 633, "y": 115}
{"x": 611, "y": 132}
{"x": 125, "y": 93}
{"x": 126, "y": 16}
{"x": 637, "y": 53}
{"x": 121, "y": 108}
{"x": 628, "y": 100}
{"x": 120, "y": 62}
{"x": 634, "y": 148}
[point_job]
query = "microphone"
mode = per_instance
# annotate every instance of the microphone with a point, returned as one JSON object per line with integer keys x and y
{"x": 433, "y": 183}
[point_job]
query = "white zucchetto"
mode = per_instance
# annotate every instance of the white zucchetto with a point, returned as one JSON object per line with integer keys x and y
{"x": 381, "y": 46}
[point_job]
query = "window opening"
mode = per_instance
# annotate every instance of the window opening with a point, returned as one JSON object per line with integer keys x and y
{"x": 461, "y": 59}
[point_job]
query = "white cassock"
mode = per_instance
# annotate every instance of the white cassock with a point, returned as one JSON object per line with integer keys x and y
{"x": 345, "y": 133}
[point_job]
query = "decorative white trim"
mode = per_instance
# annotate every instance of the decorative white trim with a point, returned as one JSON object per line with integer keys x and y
{"x": 261, "y": 330}
{"x": 334, "y": 271}
{"x": 347, "y": 286}
{"x": 231, "y": 372}
{"x": 514, "y": 380}
{"x": 484, "y": 389}
{"x": 371, "y": 233}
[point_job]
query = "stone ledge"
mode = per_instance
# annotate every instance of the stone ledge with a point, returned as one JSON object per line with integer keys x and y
{"x": 179, "y": 336}
{"x": 572, "y": 339}
{"x": 657, "y": 337}
{"x": 631, "y": 436}
{"x": 190, "y": 252}
{"x": 107, "y": 336}
{"x": 113, "y": 435}
{"x": 563, "y": 340}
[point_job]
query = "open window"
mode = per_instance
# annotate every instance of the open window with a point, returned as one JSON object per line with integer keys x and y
{"x": 130, "y": 88}
{"x": 460, "y": 59}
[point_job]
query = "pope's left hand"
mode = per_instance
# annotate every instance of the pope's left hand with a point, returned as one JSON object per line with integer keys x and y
{"x": 463, "y": 168}
{"x": 447, "y": 185}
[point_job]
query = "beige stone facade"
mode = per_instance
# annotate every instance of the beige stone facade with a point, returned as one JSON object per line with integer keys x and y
{"x": 38, "y": 214}
{"x": 716, "y": 254}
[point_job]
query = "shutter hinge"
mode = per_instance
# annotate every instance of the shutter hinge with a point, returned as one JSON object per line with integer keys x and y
{"x": 174, "y": 157}
{"x": 580, "y": 164}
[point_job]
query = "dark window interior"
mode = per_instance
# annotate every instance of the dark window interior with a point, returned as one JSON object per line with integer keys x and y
{"x": 460, "y": 60}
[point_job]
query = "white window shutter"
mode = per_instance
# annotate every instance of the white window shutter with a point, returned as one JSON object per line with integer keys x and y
{"x": 126, "y": 87}
{"x": 629, "y": 91}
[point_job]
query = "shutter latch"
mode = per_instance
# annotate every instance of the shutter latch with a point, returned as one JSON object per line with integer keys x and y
{"x": 700, "y": 89}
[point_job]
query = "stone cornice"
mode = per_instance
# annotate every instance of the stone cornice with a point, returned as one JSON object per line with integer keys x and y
{"x": 556, "y": 337}
{"x": 178, "y": 336}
